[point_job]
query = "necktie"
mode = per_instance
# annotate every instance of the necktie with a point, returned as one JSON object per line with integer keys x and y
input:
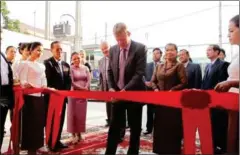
{"x": 105, "y": 74}
{"x": 60, "y": 67}
{"x": 208, "y": 69}
{"x": 124, "y": 54}
{"x": 122, "y": 61}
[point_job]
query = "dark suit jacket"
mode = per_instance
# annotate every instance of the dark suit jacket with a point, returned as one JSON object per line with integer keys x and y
{"x": 134, "y": 68}
{"x": 149, "y": 71}
{"x": 7, "y": 91}
{"x": 194, "y": 75}
{"x": 88, "y": 66}
{"x": 227, "y": 63}
{"x": 218, "y": 74}
{"x": 102, "y": 67}
{"x": 53, "y": 74}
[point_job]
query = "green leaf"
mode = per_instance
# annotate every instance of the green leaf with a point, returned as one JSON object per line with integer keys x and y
{"x": 10, "y": 24}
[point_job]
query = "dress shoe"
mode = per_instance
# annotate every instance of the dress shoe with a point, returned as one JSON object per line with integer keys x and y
{"x": 52, "y": 149}
{"x": 107, "y": 125}
{"x": 219, "y": 151}
{"x": 58, "y": 147}
{"x": 147, "y": 132}
{"x": 61, "y": 145}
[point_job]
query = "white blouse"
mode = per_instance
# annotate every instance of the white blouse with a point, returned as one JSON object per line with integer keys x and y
{"x": 17, "y": 67}
{"x": 34, "y": 74}
{"x": 233, "y": 72}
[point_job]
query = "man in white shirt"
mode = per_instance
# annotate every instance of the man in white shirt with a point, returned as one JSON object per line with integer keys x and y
{"x": 6, "y": 92}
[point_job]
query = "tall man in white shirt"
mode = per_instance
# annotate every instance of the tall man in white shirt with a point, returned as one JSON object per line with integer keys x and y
{"x": 6, "y": 92}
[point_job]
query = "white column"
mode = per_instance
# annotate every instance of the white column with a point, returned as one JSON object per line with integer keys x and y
{"x": 78, "y": 27}
{"x": 106, "y": 31}
{"x": 220, "y": 23}
{"x": 47, "y": 20}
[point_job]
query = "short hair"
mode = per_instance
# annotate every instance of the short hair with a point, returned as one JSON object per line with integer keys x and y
{"x": 9, "y": 48}
{"x": 158, "y": 49}
{"x": 82, "y": 51}
{"x": 216, "y": 47}
{"x": 172, "y": 44}
{"x": 186, "y": 51}
{"x": 119, "y": 28}
{"x": 235, "y": 20}
{"x": 53, "y": 43}
{"x": 104, "y": 42}
{"x": 223, "y": 51}
{"x": 34, "y": 45}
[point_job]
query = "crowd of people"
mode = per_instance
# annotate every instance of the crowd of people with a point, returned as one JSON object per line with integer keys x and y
{"x": 123, "y": 68}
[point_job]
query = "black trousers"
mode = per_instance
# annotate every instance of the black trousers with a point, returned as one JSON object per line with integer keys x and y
{"x": 134, "y": 113}
{"x": 3, "y": 114}
{"x": 109, "y": 118}
{"x": 237, "y": 140}
{"x": 6, "y": 99}
{"x": 109, "y": 111}
{"x": 60, "y": 129}
{"x": 150, "y": 117}
{"x": 219, "y": 119}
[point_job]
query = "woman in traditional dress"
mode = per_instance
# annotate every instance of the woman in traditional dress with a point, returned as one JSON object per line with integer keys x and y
{"x": 33, "y": 112}
{"x": 77, "y": 108}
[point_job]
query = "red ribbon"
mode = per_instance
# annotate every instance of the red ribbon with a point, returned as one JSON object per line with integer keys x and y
{"x": 195, "y": 105}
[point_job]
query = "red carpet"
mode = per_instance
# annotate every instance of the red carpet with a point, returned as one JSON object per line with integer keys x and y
{"x": 96, "y": 145}
{"x": 94, "y": 142}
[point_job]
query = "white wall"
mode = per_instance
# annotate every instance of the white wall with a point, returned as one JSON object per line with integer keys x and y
{"x": 14, "y": 38}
